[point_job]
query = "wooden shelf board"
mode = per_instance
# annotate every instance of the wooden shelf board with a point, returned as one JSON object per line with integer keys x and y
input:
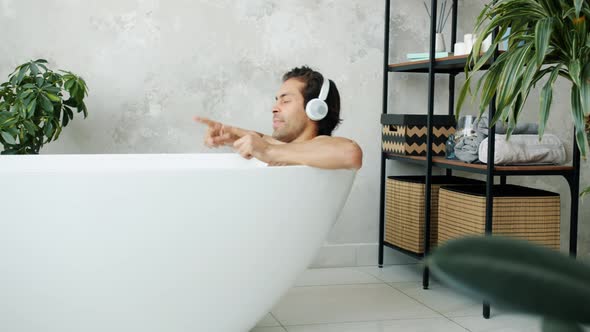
{"x": 450, "y": 64}
{"x": 482, "y": 168}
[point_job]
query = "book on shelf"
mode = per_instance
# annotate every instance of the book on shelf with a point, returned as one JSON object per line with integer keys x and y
{"x": 426, "y": 55}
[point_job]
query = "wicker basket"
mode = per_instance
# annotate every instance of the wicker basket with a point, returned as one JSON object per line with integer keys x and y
{"x": 404, "y": 209}
{"x": 520, "y": 212}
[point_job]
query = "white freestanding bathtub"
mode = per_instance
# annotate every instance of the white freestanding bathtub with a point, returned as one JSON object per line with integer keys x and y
{"x": 156, "y": 243}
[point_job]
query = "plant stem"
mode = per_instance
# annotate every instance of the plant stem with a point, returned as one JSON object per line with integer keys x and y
{"x": 447, "y": 17}
{"x": 442, "y": 15}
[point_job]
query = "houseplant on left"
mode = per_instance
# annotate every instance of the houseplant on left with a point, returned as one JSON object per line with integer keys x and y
{"x": 35, "y": 104}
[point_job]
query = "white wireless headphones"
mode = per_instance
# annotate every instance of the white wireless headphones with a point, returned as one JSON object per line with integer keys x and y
{"x": 317, "y": 108}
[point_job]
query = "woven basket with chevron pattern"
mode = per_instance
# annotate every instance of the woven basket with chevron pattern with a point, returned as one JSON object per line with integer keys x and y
{"x": 520, "y": 212}
{"x": 406, "y": 134}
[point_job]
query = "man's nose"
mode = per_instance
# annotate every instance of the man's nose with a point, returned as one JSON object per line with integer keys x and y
{"x": 275, "y": 109}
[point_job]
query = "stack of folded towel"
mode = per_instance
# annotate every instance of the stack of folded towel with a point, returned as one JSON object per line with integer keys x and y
{"x": 467, "y": 148}
{"x": 523, "y": 146}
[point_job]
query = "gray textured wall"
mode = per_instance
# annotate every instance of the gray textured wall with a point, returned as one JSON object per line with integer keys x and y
{"x": 151, "y": 65}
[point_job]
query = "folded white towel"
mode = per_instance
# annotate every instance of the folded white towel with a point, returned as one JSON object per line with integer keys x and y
{"x": 525, "y": 149}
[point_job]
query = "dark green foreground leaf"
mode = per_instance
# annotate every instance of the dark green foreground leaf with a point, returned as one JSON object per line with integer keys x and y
{"x": 550, "y": 325}
{"x": 516, "y": 275}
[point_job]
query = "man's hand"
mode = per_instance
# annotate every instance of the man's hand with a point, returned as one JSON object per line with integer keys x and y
{"x": 252, "y": 145}
{"x": 219, "y": 134}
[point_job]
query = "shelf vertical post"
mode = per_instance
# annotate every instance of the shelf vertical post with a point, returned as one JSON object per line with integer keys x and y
{"x": 383, "y": 159}
{"x": 574, "y": 184}
{"x": 428, "y": 189}
{"x": 490, "y": 171}
{"x": 452, "y": 75}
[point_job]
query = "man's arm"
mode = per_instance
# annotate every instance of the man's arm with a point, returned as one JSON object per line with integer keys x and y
{"x": 219, "y": 134}
{"x": 322, "y": 152}
{"x": 270, "y": 139}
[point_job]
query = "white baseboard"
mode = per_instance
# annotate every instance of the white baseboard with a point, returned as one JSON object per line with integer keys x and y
{"x": 358, "y": 254}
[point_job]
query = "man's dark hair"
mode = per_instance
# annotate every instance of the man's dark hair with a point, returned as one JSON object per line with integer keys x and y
{"x": 313, "y": 84}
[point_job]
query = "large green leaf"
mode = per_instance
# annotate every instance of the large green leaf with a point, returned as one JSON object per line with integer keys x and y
{"x": 34, "y": 69}
{"x": 39, "y": 81}
{"x": 8, "y": 138}
{"x": 53, "y": 90}
{"x": 25, "y": 94}
{"x": 57, "y": 132}
{"x": 9, "y": 122}
{"x": 543, "y": 31}
{"x": 578, "y": 5}
{"x": 31, "y": 108}
{"x": 82, "y": 108}
{"x": 53, "y": 97}
{"x": 551, "y": 7}
{"x": 31, "y": 127}
{"x": 12, "y": 131}
{"x": 65, "y": 119}
{"x": 578, "y": 117}
{"x": 69, "y": 84}
{"x": 48, "y": 130}
{"x": 575, "y": 70}
{"x": 69, "y": 112}
{"x": 515, "y": 274}
{"x": 546, "y": 98}
{"x": 489, "y": 89}
{"x": 46, "y": 104}
{"x": 481, "y": 61}
{"x": 585, "y": 89}
{"x": 551, "y": 325}
{"x": 510, "y": 81}
{"x": 21, "y": 74}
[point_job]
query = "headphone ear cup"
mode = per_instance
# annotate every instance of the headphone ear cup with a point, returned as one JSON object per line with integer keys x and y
{"x": 316, "y": 109}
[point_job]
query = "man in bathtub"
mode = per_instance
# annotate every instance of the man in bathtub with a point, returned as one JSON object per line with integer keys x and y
{"x": 302, "y": 126}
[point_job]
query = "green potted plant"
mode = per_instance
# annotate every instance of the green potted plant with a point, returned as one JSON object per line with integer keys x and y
{"x": 545, "y": 38}
{"x": 35, "y": 104}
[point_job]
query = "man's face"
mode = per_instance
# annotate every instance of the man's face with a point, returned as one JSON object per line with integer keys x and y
{"x": 289, "y": 118}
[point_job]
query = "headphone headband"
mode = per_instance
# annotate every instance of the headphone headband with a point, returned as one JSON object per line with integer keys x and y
{"x": 325, "y": 89}
{"x": 317, "y": 108}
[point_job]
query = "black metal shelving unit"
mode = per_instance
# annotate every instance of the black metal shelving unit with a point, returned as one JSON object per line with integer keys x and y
{"x": 452, "y": 66}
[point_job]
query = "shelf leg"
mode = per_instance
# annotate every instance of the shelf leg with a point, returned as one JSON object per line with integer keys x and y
{"x": 382, "y": 212}
{"x": 490, "y": 182}
{"x": 428, "y": 182}
{"x": 486, "y": 310}
{"x": 574, "y": 189}
{"x": 425, "y": 278}
{"x": 384, "y": 111}
{"x": 574, "y": 182}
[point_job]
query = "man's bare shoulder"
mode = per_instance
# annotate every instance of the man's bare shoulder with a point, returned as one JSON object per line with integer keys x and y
{"x": 334, "y": 139}
{"x": 347, "y": 147}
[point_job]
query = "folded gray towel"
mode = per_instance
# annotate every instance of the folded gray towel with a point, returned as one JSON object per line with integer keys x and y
{"x": 467, "y": 148}
{"x": 521, "y": 128}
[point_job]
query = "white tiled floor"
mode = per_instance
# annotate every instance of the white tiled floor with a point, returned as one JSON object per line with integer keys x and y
{"x": 370, "y": 299}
